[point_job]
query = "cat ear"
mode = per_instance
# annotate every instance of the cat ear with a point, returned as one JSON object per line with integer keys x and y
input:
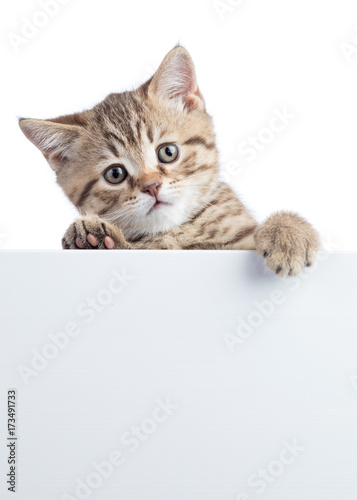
{"x": 175, "y": 80}
{"x": 57, "y": 141}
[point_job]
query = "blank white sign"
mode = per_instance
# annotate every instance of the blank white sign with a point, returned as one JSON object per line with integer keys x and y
{"x": 163, "y": 375}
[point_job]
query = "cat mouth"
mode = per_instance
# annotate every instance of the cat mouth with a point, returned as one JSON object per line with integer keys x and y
{"x": 158, "y": 204}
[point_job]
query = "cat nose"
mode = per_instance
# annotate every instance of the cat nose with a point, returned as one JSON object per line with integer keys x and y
{"x": 152, "y": 189}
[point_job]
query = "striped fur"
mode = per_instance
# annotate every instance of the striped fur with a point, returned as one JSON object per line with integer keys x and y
{"x": 198, "y": 211}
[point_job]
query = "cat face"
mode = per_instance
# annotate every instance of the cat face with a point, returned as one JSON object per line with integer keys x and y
{"x": 145, "y": 160}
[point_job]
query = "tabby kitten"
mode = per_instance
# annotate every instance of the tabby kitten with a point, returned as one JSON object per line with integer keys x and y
{"x": 142, "y": 169}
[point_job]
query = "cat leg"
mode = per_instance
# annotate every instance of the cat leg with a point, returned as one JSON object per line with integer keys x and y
{"x": 287, "y": 242}
{"x": 92, "y": 232}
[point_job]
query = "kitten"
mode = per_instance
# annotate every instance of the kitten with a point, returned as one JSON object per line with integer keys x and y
{"x": 142, "y": 169}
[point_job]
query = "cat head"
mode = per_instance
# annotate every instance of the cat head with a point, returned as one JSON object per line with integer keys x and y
{"x": 145, "y": 160}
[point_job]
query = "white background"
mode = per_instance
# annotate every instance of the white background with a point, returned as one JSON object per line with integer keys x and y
{"x": 255, "y": 57}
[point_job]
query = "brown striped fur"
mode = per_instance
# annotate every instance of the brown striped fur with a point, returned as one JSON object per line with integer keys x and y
{"x": 201, "y": 212}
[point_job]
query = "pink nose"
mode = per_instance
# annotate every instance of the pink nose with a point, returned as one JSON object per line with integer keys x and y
{"x": 152, "y": 189}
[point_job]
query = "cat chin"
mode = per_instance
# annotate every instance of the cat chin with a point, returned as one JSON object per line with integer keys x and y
{"x": 162, "y": 219}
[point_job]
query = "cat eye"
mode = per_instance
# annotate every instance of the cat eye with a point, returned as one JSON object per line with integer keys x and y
{"x": 168, "y": 153}
{"x": 115, "y": 174}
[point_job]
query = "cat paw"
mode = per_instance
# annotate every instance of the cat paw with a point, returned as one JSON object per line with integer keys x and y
{"x": 288, "y": 243}
{"x": 93, "y": 233}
